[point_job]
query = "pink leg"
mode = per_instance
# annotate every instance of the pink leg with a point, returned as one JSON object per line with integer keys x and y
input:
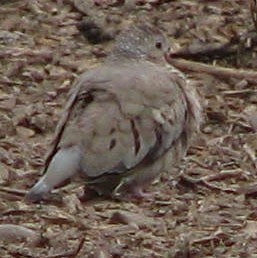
{"x": 138, "y": 193}
{"x": 135, "y": 192}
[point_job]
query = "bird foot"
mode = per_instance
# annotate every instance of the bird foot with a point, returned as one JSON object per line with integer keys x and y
{"x": 135, "y": 193}
{"x": 138, "y": 193}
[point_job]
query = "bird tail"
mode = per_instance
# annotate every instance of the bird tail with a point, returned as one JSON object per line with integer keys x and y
{"x": 64, "y": 165}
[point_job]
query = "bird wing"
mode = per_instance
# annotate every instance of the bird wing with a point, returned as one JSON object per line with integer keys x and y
{"x": 61, "y": 125}
{"x": 120, "y": 121}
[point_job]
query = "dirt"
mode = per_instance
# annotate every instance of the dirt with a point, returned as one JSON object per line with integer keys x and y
{"x": 44, "y": 46}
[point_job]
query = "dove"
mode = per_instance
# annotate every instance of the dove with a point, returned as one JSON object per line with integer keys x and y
{"x": 125, "y": 122}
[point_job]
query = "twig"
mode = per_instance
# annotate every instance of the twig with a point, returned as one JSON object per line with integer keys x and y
{"x": 13, "y": 191}
{"x": 19, "y": 253}
{"x": 199, "y": 163}
{"x": 71, "y": 253}
{"x": 211, "y": 50}
{"x": 251, "y": 154}
{"x": 253, "y": 9}
{"x": 235, "y": 45}
{"x": 205, "y": 239}
{"x": 248, "y": 191}
{"x": 204, "y": 180}
{"x": 217, "y": 235}
{"x": 239, "y": 93}
{"x": 221, "y": 72}
{"x": 223, "y": 175}
{"x": 217, "y": 176}
{"x": 13, "y": 8}
{"x": 9, "y": 82}
{"x": 215, "y": 187}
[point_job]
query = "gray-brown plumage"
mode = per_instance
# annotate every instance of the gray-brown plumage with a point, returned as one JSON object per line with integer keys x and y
{"x": 126, "y": 121}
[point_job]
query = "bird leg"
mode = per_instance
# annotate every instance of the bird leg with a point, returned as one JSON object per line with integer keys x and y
{"x": 138, "y": 193}
{"x": 126, "y": 189}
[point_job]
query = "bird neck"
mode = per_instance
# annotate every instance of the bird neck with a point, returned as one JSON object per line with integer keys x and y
{"x": 120, "y": 53}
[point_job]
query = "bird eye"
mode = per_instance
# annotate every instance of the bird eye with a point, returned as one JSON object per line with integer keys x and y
{"x": 158, "y": 45}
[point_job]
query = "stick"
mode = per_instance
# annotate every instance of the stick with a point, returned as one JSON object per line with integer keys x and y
{"x": 203, "y": 181}
{"x": 253, "y": 9}
{"x": 71, "y": 253}
{"x": 221, "y": 72}
{"x": 13, "y": 191}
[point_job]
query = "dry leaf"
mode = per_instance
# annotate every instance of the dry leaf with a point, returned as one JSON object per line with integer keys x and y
{"x": 25, "y": 132}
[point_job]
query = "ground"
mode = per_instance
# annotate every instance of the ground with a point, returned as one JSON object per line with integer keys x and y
{"x": 44, "y": 46}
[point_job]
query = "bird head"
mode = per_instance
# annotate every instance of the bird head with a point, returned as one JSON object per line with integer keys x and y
{"x": 141, "y": 41}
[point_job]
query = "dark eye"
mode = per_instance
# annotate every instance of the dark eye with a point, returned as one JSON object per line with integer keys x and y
{"x": 158, "y": 45}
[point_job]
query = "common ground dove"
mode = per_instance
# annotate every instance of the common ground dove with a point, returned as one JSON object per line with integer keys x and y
{"x": 126, "y": 121}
